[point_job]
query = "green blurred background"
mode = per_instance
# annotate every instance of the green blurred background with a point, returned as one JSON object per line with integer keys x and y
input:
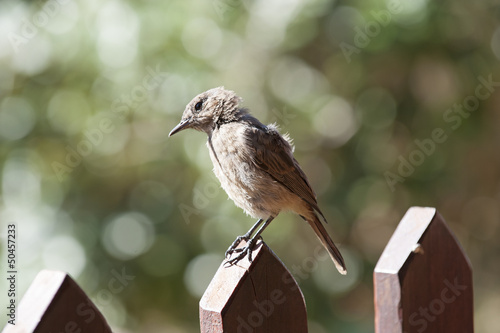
{"x": 90, "y": 90}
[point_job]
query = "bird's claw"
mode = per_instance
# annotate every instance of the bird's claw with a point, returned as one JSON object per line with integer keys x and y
{"x": 242, "y": 252}
{"x": 233, "y": 248}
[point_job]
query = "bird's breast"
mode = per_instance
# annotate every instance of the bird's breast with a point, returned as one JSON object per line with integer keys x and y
{"x": 233, "y": 153}
{"x": 234, "y": 167}
{"x": 231, "y": 156}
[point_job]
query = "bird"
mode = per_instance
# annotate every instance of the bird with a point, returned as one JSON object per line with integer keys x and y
{"x": 256, "y": 167}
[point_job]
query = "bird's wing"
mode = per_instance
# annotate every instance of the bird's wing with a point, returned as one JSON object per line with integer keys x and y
{"x": 273, "y": 154}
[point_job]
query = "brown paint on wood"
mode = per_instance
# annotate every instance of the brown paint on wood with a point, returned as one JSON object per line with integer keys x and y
{"x": 423, "y": 280}
{"x": 55, "y": 303}
{"x": 261, "y": 296}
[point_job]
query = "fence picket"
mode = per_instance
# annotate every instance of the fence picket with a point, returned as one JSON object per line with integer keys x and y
{"x": 422, "y": 283}
{"x": 55, "y": 303}
{"x": 423, "y": 280}
{"x": 261, "y": 296}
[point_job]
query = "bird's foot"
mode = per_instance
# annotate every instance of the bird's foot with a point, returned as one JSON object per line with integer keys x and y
{"x": 242, "y": 252}
{"x": 233, "y": 248}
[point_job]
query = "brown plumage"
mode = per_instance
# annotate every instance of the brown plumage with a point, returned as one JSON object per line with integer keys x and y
{"x": 255, "y": 166}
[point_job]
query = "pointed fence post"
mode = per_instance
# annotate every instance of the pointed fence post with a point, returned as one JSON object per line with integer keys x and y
{"x": 261, "y": 296}
{"x": 55, "y": 303}
{"x": 423, "y": 280}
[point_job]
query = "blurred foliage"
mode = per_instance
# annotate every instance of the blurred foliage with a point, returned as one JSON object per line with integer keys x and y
{"x": 90, "y": 90}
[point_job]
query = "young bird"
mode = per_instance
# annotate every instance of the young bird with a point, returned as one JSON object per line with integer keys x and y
{"x": 255, "y": 166}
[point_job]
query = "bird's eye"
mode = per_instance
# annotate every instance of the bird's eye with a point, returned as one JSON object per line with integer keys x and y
{"x": 198, "y": 106}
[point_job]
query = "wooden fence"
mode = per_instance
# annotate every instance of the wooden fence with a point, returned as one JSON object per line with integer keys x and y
{"x": 422, "y": 283}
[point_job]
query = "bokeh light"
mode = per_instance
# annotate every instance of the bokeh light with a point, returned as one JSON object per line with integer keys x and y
{"x": 128, "y": 235}
{"x": 64, "y": 253}
{"x": 17, "y": 118}
{"x": 90, "y": 90}
{"x": 199, "y": 273}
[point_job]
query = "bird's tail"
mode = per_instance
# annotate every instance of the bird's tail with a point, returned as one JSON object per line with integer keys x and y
{"x": 327, "y": 242}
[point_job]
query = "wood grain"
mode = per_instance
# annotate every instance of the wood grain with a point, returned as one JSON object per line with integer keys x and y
{"x": 261, "y": 296}
{"x": 423, "y": 280}
{"x": 55, "y": 303}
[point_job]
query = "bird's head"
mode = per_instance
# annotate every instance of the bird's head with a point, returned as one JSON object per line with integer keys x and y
{"x": 208, "y": 109}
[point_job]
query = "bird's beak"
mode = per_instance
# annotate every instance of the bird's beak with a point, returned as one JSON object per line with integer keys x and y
{"x": 185, "y": 123}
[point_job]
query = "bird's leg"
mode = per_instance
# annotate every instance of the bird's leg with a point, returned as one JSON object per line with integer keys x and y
{"x": 247, "y": 249}
{"x": 245, "y": 237}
